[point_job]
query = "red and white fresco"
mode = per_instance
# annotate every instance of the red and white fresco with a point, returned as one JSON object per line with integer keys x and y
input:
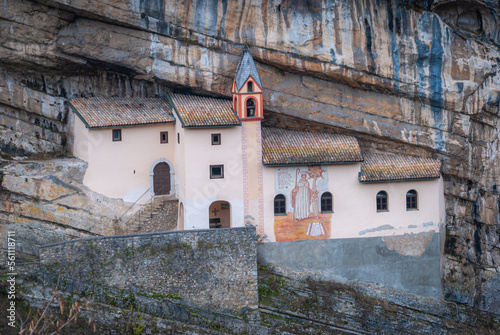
{"x": 302, "y": 187}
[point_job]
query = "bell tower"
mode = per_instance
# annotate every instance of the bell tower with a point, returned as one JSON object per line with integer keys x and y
{"x": 247, "y": 103}
{"x": 247, "y": 89}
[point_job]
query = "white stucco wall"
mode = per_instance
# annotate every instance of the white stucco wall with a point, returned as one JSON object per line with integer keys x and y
{"x": 354, "y": 205}
{"x": 200, "y": 191}
{"x": 121, "y": 169}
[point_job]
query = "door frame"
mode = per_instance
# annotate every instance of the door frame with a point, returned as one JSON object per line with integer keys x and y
{"x": 230, "y": 216}
{"x": 172, "y": 173}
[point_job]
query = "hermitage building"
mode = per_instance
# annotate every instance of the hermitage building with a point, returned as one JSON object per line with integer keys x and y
{"x": 226, "y": 170}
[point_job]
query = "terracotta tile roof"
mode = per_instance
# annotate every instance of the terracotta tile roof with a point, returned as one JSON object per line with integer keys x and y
{"x": 196, "y": 111}
{"x": 292, "y": 147}
{"x": 113, "y": 112}
{"x": 389, "y": 167}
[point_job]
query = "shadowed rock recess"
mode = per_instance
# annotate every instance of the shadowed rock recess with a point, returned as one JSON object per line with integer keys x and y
{"x": 403, "y": 76}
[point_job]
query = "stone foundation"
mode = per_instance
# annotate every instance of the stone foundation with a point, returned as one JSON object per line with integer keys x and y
{"x": 211, "y": 268}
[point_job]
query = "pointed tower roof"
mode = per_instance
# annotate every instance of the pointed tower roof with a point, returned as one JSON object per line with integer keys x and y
{"x": 246, "y": 68}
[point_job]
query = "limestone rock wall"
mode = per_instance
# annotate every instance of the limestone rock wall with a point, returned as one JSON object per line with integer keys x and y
{"x": 405, "y": 76}
{"x": 45, "y": 202}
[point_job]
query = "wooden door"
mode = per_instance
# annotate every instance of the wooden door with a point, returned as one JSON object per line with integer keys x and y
{"x": 161, "y": 179}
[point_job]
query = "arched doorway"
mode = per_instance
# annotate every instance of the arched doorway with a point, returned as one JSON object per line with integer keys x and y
{"x": 220, "y": 214}
{"x": 161, "y": 179}
{"x": 180, "y": 225}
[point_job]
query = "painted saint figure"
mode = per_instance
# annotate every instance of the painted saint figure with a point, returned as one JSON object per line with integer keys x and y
{"x": 301, "y": 198}
{"x": 315, "y": 201}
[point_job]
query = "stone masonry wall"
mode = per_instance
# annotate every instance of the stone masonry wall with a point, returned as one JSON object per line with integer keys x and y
{"x": 165, "y": 218}
{"x": 211, "y": 268}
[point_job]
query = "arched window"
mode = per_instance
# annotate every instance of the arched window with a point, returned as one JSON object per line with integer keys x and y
{"x": 236, "y": 104}
{"x": 279, "y": 204}
{"x": 250, "y": 107}
{"x": 411, "y": 200}
{"x": 326, "y": 202}
{"x": 250, "y": 86}
{"x": 382, "y": 201}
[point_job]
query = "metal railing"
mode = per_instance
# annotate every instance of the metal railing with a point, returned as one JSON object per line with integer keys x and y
{"x": 138, "y": 215}
{"x": 119, "y": 219}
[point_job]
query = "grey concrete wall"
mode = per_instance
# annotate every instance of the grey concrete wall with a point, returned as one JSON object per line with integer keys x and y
{"x": 410, "y": 263}
{"x": 212, "y": 268}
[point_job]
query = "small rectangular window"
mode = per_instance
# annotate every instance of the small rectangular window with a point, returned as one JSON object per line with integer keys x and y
{"x": 411, "y": 200}
{"x": 216, "y": 140}
{"x": 178, "y": 138}
{"x": 117, "y": 135}
{"x": 216, "y": 171}
{"x": 381, "y": 204}
{"x": 164, "y": 137}
{"x": 326, "y": 203}
{"x": 382, "y": 201}
{"x": 280, "y": 205}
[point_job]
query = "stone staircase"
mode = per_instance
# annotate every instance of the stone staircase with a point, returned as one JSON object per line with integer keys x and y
{"x": 158, "y": 214}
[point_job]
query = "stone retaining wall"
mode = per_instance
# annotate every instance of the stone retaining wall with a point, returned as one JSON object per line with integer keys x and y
{"x": 211, "y": 268}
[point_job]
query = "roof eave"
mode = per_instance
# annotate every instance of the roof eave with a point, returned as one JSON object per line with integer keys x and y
{"x": 214, "y": 126}
{"x": 131, "y": 125}
{"x": 79, "y": 115}
{"x": 311, "y": 163}
{"x": 244, "y": 81}
{"x": 175, "y": 110}
{"x": 236, "y": 115}
{"x": 396, "y": 180}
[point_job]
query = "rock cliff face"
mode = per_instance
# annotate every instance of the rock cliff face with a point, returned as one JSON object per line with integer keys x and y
{"x": 404, "y": 76}
{"x": 46, "y": 202}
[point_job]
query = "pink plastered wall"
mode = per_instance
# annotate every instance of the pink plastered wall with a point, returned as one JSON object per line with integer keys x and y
{"x": 354, "y": 207}
{"x": 200, "y": 191}
{"x": 121, "y": 169}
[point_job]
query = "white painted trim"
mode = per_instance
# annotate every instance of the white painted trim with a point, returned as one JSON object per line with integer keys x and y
{"x": 172, "y": 174}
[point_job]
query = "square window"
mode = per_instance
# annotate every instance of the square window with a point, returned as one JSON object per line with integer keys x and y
{"x": 216, "y": 139}
{"x": 164, "y": 137}
{"x": 216, "y": 171}
{"x": 117, "y": 135}
{"x": 382, "y": 204}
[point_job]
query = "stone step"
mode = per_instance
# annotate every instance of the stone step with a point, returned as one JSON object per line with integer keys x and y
{"x": 143, "y": 217}
{"x": 144, "y": 214}
{"x": 148, "y": 207}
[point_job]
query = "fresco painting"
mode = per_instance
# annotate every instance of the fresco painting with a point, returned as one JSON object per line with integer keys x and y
{"x": 302, "y": 187}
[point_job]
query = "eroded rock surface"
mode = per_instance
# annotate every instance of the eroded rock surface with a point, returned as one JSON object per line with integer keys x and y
{"x": 46, "y": 202}
{"x": 403, "y": 76}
